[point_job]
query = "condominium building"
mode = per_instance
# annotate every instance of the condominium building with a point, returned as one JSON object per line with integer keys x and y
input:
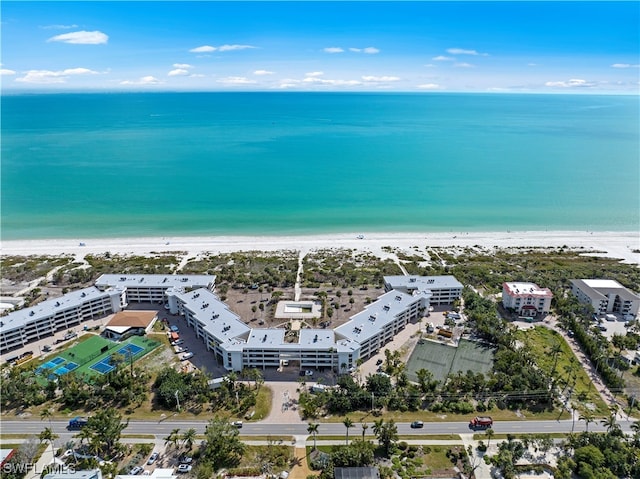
{"x": 152, "y": 288}
{"x": 444, "y": 289}
{"x": 237, "y": 346}
{"x": 606, "y": 296}
{"x": 526, "y": 299}
{"x": 48, "y": 317}
{"x": 111, "y": 293}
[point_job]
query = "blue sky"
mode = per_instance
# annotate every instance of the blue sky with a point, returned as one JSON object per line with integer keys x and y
{"x": 551, "y": 47}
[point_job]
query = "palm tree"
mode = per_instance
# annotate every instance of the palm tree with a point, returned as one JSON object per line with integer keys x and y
{"x": 189, "y": 438}
{"x": 46, "y": 414}
{"x": 347, "y": 423}
{"x": 48, "y": 435}
{"x": 173, "y": 437}
{"x": 610, "y": 422}
{"x": 490, "y": 433}
{"x": 377, "y": 426}
{"x": 365, "y": 426}
{"x": 313, "y": 429}
{"x": 587, "y": 417}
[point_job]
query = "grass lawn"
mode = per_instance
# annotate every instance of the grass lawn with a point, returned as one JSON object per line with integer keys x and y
{"x": 565, "y": 367}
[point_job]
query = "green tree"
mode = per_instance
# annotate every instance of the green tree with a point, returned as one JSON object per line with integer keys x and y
{"x": 46, "y": 414}
{"x": 348, "y": 423}
{"x": 223, "y": 448}
{"x": 387, "y": 433}
{"x": 189, "y": 438}
{"x": 48, "y": 435}
{"x": 365, "y": 426}
{"x": 313, "y": 429}
{"x": 489, "y": 433}
{"x": 106, "y": 428}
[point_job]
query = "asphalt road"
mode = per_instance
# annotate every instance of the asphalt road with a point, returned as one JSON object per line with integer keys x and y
{"x": 164, "y": 428}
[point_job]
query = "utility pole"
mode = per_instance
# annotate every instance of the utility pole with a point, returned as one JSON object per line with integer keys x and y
{"x": 372, "y": 396}
{"x": 177, "y": 400}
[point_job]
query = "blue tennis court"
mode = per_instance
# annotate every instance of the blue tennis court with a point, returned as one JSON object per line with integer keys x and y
{"x": 103, "y": 367}
{"x": 130, "y": 349}
{"x": 65, "y": 369}
{"x": 53, "y": 363}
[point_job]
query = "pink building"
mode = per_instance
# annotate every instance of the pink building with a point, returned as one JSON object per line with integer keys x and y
{"x": 526, "y": 299}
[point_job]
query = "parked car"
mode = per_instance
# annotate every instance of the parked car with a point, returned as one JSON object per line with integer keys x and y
{"x": 152, "y": 458}
{"x": 308, "y": 372}
{"x": 237, "y": 424}
{"x": 184, "y": 468}
{"x": 46, "y": 348}
{"x": 177, "y": 342}
{"x": 136, "y": 470}
{"x": 417, "y": 424}
{"x": 185, "y": 459}
{"x": 186, "y": 356}
{"x": 379, "y": 362}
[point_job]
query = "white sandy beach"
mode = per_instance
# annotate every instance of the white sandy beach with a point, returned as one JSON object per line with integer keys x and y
{"x": 619, "y": 245}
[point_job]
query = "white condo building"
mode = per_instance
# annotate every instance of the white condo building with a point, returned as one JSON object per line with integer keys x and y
{"x": 444, "y": 289}
{"x": 237, "y": 346}
{"x": 60, "y": 314}
{"x": 526, "y": 299}
{"x": 606, "y": 296}
{"x": 112, "y": 293}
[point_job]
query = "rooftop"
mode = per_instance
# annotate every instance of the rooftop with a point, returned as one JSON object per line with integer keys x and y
{"x": 155, "y": 280}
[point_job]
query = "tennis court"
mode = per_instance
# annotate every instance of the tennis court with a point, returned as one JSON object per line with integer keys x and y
{"x": 104, "y": 366}
{"x": 442, "y": 359}
{"x": 68, "y": 367}
{"x": 130, "y": 350}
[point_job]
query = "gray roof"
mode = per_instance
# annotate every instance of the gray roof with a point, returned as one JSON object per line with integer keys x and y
{"x": 377, "y": 315}
{"x": 49, "y": 308}
{"x": 155, "y": 280}
{"x": 601, "y": 288}
{"x": 321, "y": 339}
{"x": 423, "y": 282}
{"x": 356, "y": 473}
{"x": 214, "y": 315}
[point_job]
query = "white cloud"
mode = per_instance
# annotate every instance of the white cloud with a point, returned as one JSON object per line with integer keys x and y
{"x": 5, "y": 71}
{"x": 371, "y": 78}
{"x": 442, "y": 58}
{"x": 532, "y": 64}
{"x": 236, "y": 81}
{"x": 355, "y": 50}
{"x": 203, "y": 49}
{"x": 50, "y": 76}
{"x": 462, "y": 51}
{"x": 221, "y": 48}
{"x": 228, "y": 48}
{"x": 314, "y": 74}
{"x": 146, "y": 80}
{"x": 178, "y": 72}
{"x": 324, "y": 81}
{"x": 464, "y": 65}
{"x": 429, "y": 86}
{"x": 624, "y": 65}
{"x": 371, "y": 50}
{"x": 333, "y": 50}
{"x": 182, "y": 65}
{"x": 59, "y": 27}
{"x": 263, "y": 72}
{"x": 430, "y": 65}
{"x": 573, "y": 83}
{"x": 81, "y": 38}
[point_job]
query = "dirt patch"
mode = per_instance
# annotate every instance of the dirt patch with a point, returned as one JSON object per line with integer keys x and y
{"x": 301, "y": 468}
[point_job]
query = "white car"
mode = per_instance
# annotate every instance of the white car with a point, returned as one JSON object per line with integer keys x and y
{"x": 184, "y": 468}
{"x": 308, "y": 372}
{"x": 237, "y": 424}
{"x": 186, "y": 356}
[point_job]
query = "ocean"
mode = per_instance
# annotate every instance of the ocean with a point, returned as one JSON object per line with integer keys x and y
{"x": 189, "y": 164}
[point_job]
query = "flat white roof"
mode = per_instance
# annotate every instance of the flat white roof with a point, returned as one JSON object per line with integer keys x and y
{"x": 602, "y": 283}
{"x": 50, "y": 307}
{"x": 526, "y": 289}
{"x": 423, "y": 282}
{"x": 215, "y": 316}
{"x": 155, "y": 280}
{"x": 378, "y": 315}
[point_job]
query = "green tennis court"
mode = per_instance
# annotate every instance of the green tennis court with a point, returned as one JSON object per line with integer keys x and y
{"x": 442, "y": 359}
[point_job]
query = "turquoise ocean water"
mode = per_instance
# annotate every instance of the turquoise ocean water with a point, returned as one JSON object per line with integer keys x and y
{"x": 165, "y": 164}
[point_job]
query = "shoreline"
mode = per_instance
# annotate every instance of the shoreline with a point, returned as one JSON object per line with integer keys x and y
{"x": 613, "y": 244}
